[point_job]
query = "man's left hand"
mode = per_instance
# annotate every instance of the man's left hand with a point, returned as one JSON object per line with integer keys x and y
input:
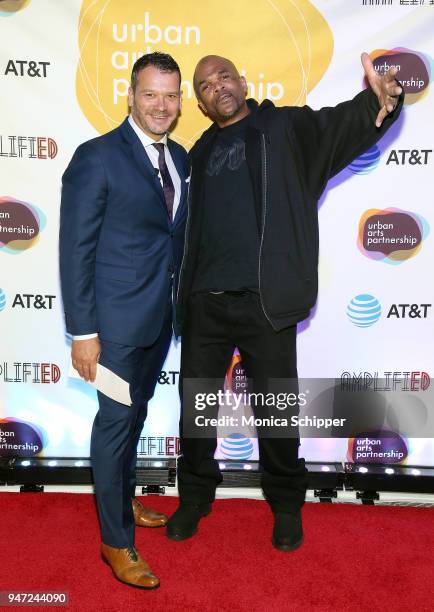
{"x": 384, "y": 86}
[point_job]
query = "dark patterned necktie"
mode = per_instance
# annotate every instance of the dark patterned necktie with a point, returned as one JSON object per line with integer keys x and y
{"x": 168, "y": 188}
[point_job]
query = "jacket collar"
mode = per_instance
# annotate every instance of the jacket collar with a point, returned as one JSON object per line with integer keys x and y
{"x": 207, "y": 137}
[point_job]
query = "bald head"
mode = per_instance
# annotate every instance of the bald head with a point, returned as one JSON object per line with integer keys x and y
{"x": 220, "y": 90}
{"x": 207, "y": 61}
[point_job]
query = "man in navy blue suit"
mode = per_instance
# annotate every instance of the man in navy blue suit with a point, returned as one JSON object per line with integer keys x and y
{"x": 122, "y": 228}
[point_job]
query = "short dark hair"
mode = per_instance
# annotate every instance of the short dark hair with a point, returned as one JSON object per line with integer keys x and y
{"x": 163, "y": 61}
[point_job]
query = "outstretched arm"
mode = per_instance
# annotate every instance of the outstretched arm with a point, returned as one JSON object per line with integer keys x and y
{"x": 328, "y": 139}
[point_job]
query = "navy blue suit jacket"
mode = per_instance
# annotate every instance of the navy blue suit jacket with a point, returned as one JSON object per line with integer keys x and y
{"x": 119, "y": 252}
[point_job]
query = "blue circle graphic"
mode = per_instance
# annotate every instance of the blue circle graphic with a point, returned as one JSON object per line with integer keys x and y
{"x": 364, "y": 310}
{"x": 367, "y": 162}
{"x": 236, "y": 446}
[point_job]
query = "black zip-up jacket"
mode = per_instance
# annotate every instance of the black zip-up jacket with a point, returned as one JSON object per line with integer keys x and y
{"x": 291, "y": 153}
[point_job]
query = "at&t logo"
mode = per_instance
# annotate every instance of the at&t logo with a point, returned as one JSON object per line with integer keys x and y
{"x": 27, "y": 68}
{"x": 367, "y": 162}
{"x": 236, "y": 446}
{"x": 409, "y": 311}
{"x": 28, "y": 301}
{"x": 412, "y": 157}
{"x": 364, "y": 310}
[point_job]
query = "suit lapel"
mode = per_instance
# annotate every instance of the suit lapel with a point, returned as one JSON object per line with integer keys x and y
{"x": 148, "y": 171}
{"x": 142, "y": 160}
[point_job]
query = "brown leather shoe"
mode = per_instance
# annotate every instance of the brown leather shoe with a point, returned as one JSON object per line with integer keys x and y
{"x": 129, "y": 567}
{"x": 145, "y": 517}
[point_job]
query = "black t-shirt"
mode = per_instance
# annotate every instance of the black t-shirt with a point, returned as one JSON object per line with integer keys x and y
{"x": 229, "y": 247}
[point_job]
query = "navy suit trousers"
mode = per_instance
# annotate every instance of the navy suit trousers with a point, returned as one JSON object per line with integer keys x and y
{"x": 116, "y": 432}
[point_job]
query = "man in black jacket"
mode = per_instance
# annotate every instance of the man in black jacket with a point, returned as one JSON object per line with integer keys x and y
{"x": 249, "y": 272}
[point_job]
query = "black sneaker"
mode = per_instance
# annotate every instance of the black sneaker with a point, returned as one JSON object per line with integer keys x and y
{"x": 287, "y": 531}
{"x": 183, "y": 523}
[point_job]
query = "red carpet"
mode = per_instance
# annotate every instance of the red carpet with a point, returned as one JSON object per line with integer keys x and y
{"x": 353, "y": 558}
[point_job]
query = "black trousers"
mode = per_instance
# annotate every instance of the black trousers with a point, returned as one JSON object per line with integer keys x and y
{"x": 116, "y": 432}
{"x": 215, "y": 325}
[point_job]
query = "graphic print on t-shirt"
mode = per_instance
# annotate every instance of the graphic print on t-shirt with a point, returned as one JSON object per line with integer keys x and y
{"x": 232, "y": 156}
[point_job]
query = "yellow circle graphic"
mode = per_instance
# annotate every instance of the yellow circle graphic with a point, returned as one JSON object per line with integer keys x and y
{"x": 282, "y": 47}
{"x": 12, "y": 6}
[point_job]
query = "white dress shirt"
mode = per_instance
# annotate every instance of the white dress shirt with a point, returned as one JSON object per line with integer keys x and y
{"x": 152, "y": 153}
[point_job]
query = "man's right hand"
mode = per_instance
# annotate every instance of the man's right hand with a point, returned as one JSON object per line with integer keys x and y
{"x": 84, "y": 356}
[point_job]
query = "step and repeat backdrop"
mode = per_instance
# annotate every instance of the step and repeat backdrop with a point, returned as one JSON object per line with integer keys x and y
{"x": 64, "y": 75}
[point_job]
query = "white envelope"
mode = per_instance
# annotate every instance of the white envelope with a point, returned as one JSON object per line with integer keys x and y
{"x": 108, "y": 383}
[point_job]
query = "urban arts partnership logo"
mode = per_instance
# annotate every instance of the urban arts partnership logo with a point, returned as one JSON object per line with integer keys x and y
{"x": 113, "y": 35}
{"x": 19, "y": 439}
{"x": 377, "y": 447}
{"x": 236, "y": 380}
{"x": 9, "y": 7}
{"x": 20, "y": 225}
{"x": 391, "y": 235}
{"x": 390, "y": 407}
{"x": 414, "y": 71}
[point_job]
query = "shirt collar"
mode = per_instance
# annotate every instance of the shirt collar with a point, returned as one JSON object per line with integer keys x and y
{"x": 144, "y": 138}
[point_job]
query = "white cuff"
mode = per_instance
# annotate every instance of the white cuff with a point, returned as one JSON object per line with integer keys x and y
{"x": 85, "y": 337}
